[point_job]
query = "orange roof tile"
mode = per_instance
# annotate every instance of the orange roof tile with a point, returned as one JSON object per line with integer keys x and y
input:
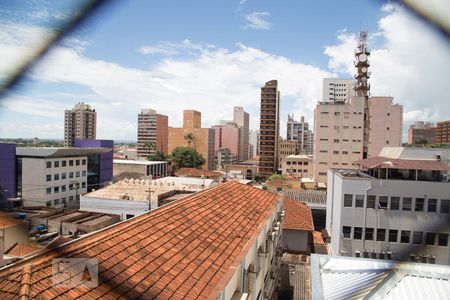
{"x": 317, "y": 237}
{"x": 7, "y": 221}
{"x": 21, "y": 250}
{"x": 298, "y": 215}
{"x": 186, "y": 249}
{"x": 193, "y": 172}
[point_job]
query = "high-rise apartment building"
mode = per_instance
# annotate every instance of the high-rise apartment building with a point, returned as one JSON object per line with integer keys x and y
{"x": 153, "y": 133}
{"x": 443, "y": 132}
{"x": 269, "y": 128}
{"x": 80, "y": 123}
{"x": 339, "y": 90}
{"x": 300, "y": 133}
{"x": 422, "y": 133}
{"x": 241, "y": 118}
{"x": 192, "y": 135}
{"x": 347, "y": 131}
{"x": 254, "y": 141}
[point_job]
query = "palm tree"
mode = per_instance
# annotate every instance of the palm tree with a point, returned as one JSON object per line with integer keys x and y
{"x": 150, "y": 146}
{"x": 189, "y": 137}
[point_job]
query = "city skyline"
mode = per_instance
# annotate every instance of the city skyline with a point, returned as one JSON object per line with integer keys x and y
{"x": 184, "y": 70}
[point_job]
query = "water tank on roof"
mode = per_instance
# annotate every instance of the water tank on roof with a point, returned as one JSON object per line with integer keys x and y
{"x": 22, "y": 215}
{"x": 40, "y": 227}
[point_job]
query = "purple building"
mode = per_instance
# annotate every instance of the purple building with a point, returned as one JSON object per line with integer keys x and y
{"x": 8, "y": 183}
{"x": 100, "y": 167}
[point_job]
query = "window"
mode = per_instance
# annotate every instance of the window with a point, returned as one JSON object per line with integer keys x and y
{"x": 371, "y": 201}
{"x": 48, "y": 203}
{"x": 63, "y": 188}
{"x": 445, "y": 206}
{"x": 429, "y": 238}
{"x": 48, "y": 177}
{"x": 393, "y": 235}
{"x": 70, "y": 198}
{"x": 56, "y": 176}
{"x": 404, "y": 236}
{"x": 323, "y": 151}
{"x": 383, "y": 202}
{"x": 63, "y": 175}
{"x": 395, "y": 203}
{"x": 443, "y": 239}
{"x": 336, "y": 140}
{"x": 432, "y": 205}
{"x": 381, "y": 234}
{"x": 359, "y": 201}
{"x": 56, "y": 164}
{"x": 322, "y": 173}
{"x": 63, "y": 163}
{"x": 357, "y": 233}
{"x": 70, "y": 174}
{"x": 49, "y": 164}
{"x": 64, "y": 201}
{"x": 77, "y": 162}
{"x": 417, "y": 237}
{"x": 335, "y": 152}
{"x": 70, "y": 163}
{"x": 347, "y": 232}
{"x": 83, "y": 184}
{"x": 48, "y": 190}
{"x": 83, "y": 162}
{"x": 83, "y": 173}
{"x": 56, "y": 189}
{"x": 420, "y": 202}
{"x": 407, "y": 203}
{"x": 56, "y": 201}
{"x": 71, "y": 186}
{"x": 348, "y": 200}
{"x": 77, "y": 174}
{"x": 369, "y": 234}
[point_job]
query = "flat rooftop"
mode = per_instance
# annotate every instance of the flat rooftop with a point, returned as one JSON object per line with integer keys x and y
{"x": 188, "y": 249}
{"x": 138, "y": 162}
{"x": 50, "y": 152}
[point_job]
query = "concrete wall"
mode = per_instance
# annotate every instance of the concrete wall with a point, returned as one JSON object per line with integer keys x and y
{"x": 120, "y": 168}
{"x": 295, "y": 241}
{"x": 111, "y": 206}
{"x": 14, "y": 234}
{"x": 420, "y": 221}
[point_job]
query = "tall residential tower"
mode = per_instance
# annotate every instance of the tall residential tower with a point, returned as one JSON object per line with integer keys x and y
{"x": 79, "y": 124}
{"x": 153, "y": 133}
{"x": 241, "y": 118}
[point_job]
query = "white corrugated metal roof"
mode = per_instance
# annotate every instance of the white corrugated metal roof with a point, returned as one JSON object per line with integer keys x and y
{"x": 334, "y": 277}
{"x": 138, "y": 162}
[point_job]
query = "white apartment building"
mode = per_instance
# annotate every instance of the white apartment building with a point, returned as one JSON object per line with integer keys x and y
{"x": 80, "y": 123}
{"x": 338, "y": 90}
{"x": 298, "y": 166}
{"x": 396, "y": 209}
{"x": 254, "y": 141}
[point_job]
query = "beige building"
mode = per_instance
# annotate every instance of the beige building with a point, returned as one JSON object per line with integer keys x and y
{"x": 443, "y": 132}
{"x": 335, "y": 89}
{"x": 422, "y": 133}
{"x": 269, "y": 128}
{"x": 202, "y": 138}
{"x": 299, "y": 166}
{"x": 241, "y": 118}
{"x": 80, "y": 123}
{"x": 286, "y": 148}
{"x": 347, "y": 131}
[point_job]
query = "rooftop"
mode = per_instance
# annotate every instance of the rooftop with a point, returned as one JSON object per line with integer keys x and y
{"x": 138, "y": 162}
{"x": 334, "y": 277}
{"x": 298, "y": 156}
{"x": 187, "y": 249}
{"x": 21, "y": 250}
{"x": 308, "y": 196}
{"x": 193, "y": 172}
{"x": 298, "y": 216}
{"x": 54, "y": 152}
{"x": 7, "y": 221}
{"x": 395, "y": 163}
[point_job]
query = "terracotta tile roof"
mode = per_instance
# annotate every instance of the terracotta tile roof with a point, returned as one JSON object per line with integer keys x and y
{"x": 186, "y": 249}
{"x": 193, "y": 172}
{"x": 298, "y": 215}
{"x": 395, "y": 163}
{"x": 317, "y": 237}
{"x": 278, "y": 183}
{"x": 6, "y": 221}
{"x": 21, "y": 250}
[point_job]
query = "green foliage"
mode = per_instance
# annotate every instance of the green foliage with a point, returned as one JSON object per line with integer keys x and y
{"x": 149, "y": 145}
{"x": 258, "y": 177}
{"x": 185, "y": 157}
{"x": 189, "y": 137}
{"x": 158, "y": 156}
{"x": 276, "y": 176}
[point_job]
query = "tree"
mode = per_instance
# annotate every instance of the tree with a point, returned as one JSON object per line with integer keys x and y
{"x": 276, "y": 176}
{"x": 158, "y": 156}
{"x": 184, "y": 157}
{"x": 189, "y": 137}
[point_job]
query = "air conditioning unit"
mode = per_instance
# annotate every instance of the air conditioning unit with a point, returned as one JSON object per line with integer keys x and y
{"x": 272, "y": 236}
{"x": 365, "y": 253}
{"x": 412, "y": 257}
{"x": 423, "y": 259}
{"x": 389, "y": 255}
{"x": 357, "y": 253}
{"x": 373, "y": 254}
{"x": 431, "y": 259}
{"x": 381, "y": 255}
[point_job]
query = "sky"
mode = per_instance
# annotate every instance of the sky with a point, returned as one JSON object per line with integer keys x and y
{"x": 211, "y": 55}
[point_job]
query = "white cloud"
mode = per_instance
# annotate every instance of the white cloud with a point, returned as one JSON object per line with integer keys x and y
{"x": 411, "y": 64}
{"x": 257, "y": 21}
{"x": 169, "y": 49}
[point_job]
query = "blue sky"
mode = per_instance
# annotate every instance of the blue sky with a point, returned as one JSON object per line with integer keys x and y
{"x": 209, "y": 56}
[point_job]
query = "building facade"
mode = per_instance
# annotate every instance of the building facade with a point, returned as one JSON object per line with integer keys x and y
{"x": 145, "y": 168}
{"x": 338, "y": 90}
{"x": 298, "y": 166}
{"x": 192, "y": 135}
{"x": 443, "y": 132}
{"x": 241, "y": 118}
{"x": 227, "y": 145}
{"x": 79, "y": 123}
{"x": 153, "y": 133}
{"x": 422, "y": 133}
{"x": 8, "y": 178}
{"x": 396, "y": 209}
{"x": 254, "y": 141}
{"x": 286, "y": 148}
{"x": 299, "y": 132}
{"x": 269, "y": 128}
